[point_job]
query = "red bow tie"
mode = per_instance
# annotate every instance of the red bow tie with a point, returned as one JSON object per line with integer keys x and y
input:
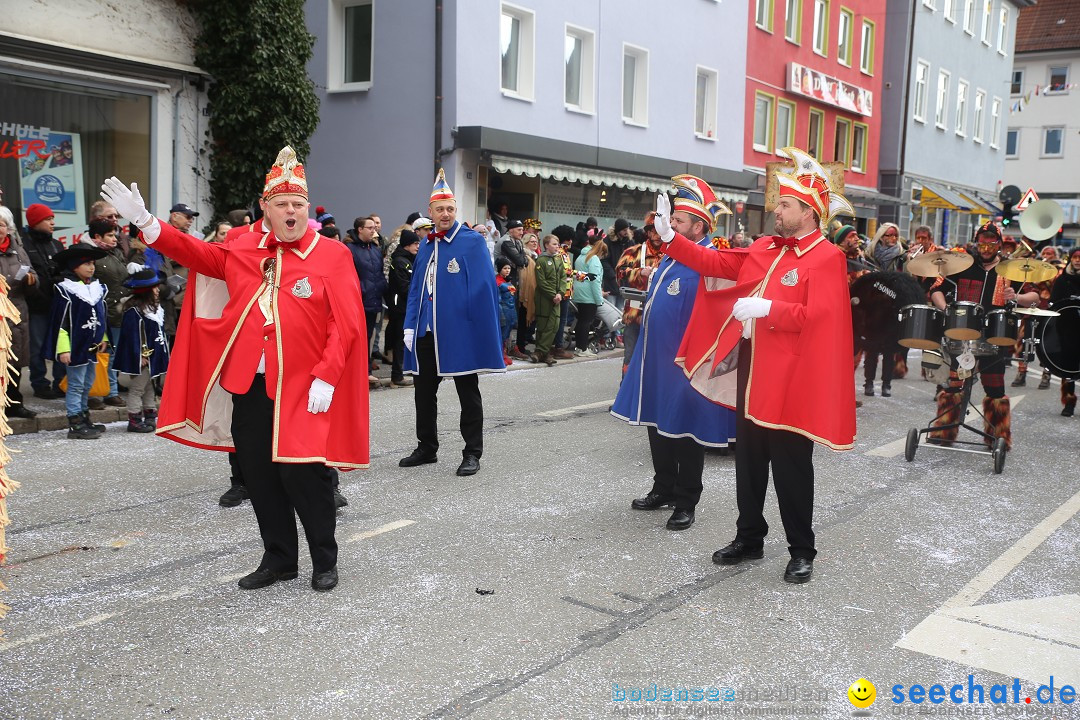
{"x": 790, "y": 242}
{"x": 433, "y": 235}
{"x": 272, "y": 243}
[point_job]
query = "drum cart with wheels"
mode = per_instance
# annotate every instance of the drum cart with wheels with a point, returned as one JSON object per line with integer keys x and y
{"x": 996, "y": 450}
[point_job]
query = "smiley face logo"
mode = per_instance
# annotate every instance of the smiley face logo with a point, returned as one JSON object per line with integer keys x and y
{"x": 862, "y": 693}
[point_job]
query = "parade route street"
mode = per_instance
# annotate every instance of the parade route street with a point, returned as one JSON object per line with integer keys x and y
{"x": 123, "y": 568}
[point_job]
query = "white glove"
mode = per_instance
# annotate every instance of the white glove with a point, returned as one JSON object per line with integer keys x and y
{"x": 134, "y": 267}
{"x": 319, "y": 396}
{"x": 662, "y": 219}
{"x": 409, "y": 334}
{"x": 751, "y": 307}
{"x": 129, "y": 203}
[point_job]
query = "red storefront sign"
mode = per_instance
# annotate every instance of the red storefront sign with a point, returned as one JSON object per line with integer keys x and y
{"x": 829, "y": 90}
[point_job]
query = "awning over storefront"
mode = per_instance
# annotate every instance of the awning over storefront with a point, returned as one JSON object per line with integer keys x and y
{"x": 595, "y": 176}
{"x": 866, "y": 196}
{"x": 939, "y": 196}
{"x": 989, "y": 203}
{"x": 978, "y": 206}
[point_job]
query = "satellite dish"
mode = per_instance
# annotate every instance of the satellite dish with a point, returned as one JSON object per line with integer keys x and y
{"x": 1010, "y": 195}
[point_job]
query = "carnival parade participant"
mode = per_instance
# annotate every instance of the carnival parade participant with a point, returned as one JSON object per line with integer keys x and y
{"x": 776, "y": 345}
{"x": 283, "y": 357}
{"x": 142, "y": 351}
{"x": 654, "y": 391}
{"x": 1066, "y": 286}
{"x": 451, "y": 329}
{"x": 981, "y": 284}
{"x": 635, "y": 266}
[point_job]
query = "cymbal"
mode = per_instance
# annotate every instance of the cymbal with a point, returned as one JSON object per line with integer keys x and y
{"x": 1026, "y": 270}
{"x": 1037, "y": 312}
{"x": 939, "y": 262}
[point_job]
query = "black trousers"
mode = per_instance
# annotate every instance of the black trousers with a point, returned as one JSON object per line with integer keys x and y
{"x": 791, "y": 456}
{"x": 586, "y": 315}
{"x": 426, "y": 386}
{"x": 238, "y": 473}
{"x": 395, "y": 342}
{"x": 282, "y": 491}
{"x": 678, "y": 464}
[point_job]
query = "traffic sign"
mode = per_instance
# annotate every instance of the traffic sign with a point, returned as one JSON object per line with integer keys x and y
{"x": 1029, "y": 197}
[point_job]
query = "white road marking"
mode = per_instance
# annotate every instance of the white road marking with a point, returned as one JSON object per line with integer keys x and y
{"x": 1030, "y": 639}
{"x": 53, "y": 633}
{"x": 896, "y": 447}
{"x": 388, "y": 527}
{"x": 576, "y": 408}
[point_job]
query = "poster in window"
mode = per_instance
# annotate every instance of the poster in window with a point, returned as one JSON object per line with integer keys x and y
{"x": 53, "y": 177}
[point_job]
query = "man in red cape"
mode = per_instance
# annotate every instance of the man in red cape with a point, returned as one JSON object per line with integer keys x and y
{"x": 270, "y": 360}
{"x": 777, "y": 346}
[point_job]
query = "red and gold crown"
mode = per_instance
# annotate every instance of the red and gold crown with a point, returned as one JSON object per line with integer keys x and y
{"x": 694, "y": 196}
{"x": 286, "y": 177}
{"x": 808, "y": 183}
{"x": 441, "y": 189}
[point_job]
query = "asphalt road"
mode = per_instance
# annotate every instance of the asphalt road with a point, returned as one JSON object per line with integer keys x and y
{"x": 122, "y": 576}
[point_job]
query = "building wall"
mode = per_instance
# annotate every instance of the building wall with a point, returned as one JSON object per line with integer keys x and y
{"x": 771, "y": 55}
{"x": 1030, "y": 168}
{"x": 373, "y": 150}
{"x": 933, "y": 152}
{"x": 138, "y": 48}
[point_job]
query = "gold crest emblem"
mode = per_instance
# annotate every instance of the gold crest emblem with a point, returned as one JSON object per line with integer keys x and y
{"x": 302, "y": 288}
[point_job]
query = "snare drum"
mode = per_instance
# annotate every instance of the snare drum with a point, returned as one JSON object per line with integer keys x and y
{"x": 921, "y": 327}
{"x": 1002, "y": 328}
{"x": 964, "y": 321}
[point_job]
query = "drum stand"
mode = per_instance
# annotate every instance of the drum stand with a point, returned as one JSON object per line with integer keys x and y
{"x": 997, "y": 449}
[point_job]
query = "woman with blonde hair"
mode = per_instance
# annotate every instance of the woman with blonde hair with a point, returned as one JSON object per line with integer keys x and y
{"x": 588, "y": 294}
{"x": 886, "y": 250}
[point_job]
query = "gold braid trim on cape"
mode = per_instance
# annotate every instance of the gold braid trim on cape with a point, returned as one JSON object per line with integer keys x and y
{"x": 9, "y": 374}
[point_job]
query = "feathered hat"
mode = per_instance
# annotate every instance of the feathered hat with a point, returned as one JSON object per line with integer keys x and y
{"x": 441, "y": 190}
{"x": 286, "y": 177}
{"x": 810, "y": 184}
{"x": 693, "y": 195}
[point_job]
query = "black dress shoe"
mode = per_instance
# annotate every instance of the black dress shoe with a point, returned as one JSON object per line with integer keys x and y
{"x": 469, "y": 465}
{"x": 47, "y": 393}
{"x": 680, "y": 519}
{"x": 263, "y": 578}
{"x": 652, "y": 501}
{"x": 418, "y": 457}
{"x": 735, "y": 553}
{"x": 324, "y": 581}
{"x": 21, "y": 411}
{"x": 233, "y": 496}
{"x": 798, "y": 570}
{"x": 339, "y": 499}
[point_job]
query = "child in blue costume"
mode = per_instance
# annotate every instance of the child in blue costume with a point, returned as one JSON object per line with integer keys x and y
{"x": 142, "y": 350}
{"x": 76, "y": 333}
{"x": 507, "y": 304}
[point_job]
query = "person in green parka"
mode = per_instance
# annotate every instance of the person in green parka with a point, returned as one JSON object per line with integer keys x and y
{"x": 549, "y": 277}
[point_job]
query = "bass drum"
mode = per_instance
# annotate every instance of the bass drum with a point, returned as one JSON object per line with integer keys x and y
{"x": 1059, "y": 342}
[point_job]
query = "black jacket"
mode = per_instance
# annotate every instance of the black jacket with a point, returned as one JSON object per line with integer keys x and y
{"x": 41, "y": 247}
{"x": 401, "y": 270}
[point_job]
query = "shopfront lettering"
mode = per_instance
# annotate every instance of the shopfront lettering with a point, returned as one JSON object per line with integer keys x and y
{"x": 22, "y": 148}
{"x": 30, "y": 132}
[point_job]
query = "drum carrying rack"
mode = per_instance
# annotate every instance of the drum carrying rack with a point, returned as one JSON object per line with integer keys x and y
{"x": 996, "y": 450}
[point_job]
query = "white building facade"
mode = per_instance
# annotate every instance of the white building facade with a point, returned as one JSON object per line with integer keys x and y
{"x": 94, "y": 90}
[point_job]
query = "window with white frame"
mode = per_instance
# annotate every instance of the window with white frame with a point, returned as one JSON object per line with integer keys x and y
{"x": 995, "y": 121}
{"x": 858, "y": 147}
{"x": 961, "y": 108}
{"x": 579, "y": 56}
{"x": 635, "y": 89}
{"x": 842, "y": 146}
{"x": 969, "y": 17}
{"x": 516, "y": 33}
{"x": 980, "y": 115}
{"x": 793, "y": 20}
{"x": 932, "y": 4}
{"x": 1053, "y": 145}
{"x": 844, "y": 36}
{"x": 866, "y": 52}
{"x": 942, "y": 111}
{"x": 987, "y": 20}
{"x": 922, "y": 89}
{"x": 785, "y": 124}
{"x": 1016, "y": 87}
{"x": 1003, "y": 29}
{"x": 821, "y": 27}
{"x": 350, "y": 45}
{"x": 949, "y": 10}
{"x": 705, "y": 103}
{"x": 1012, "y": 143}
{"x": 763, "y": 14}
{"x": 1058, "y": 79}
{"x": 763, "y": 114}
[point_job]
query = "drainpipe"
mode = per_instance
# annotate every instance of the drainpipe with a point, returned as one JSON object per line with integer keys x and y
{"x": 438, "y": 84}
{"x": 904, "y": 113}
{"x": 176, "y": 145}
